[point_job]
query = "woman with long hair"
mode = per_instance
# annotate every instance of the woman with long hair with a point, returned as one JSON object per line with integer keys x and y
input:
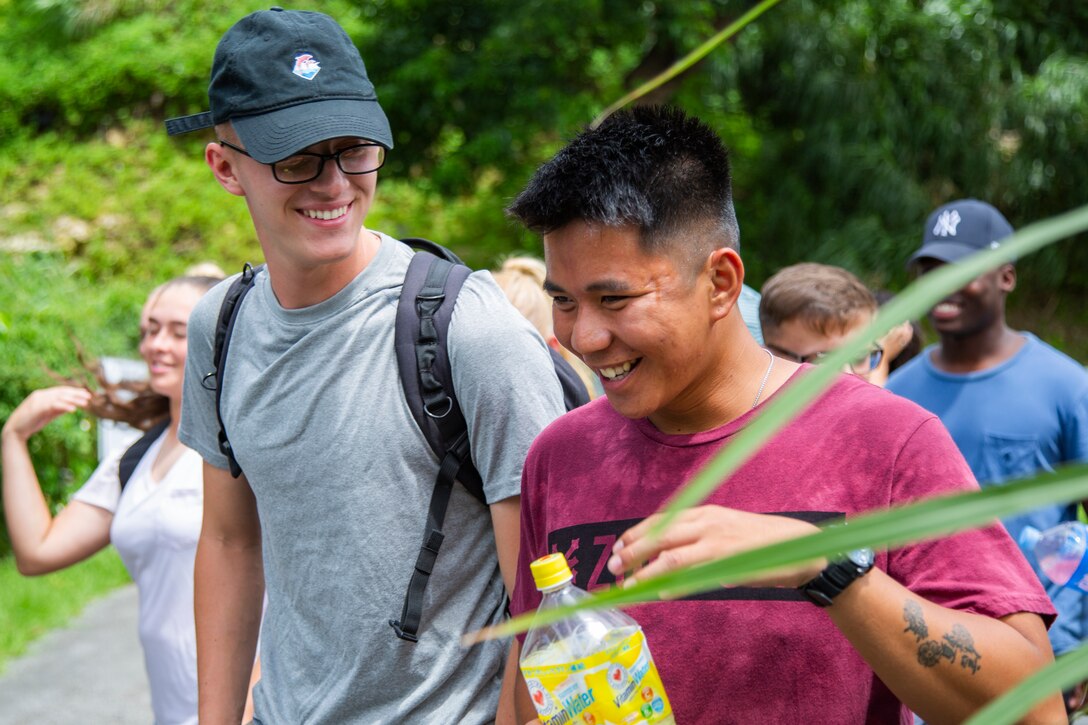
{"x": 153, "y": 520}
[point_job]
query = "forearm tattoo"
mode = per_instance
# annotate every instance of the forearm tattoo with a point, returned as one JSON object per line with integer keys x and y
{"x": 916, "y": 624}
{"x": 931, "y": 651}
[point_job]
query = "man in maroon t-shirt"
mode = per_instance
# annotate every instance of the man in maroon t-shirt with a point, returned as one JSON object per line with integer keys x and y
{"x": 641, "y": 245}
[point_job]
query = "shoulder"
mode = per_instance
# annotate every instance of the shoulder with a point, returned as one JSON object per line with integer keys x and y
{"x": 861, "y": 399}
{"x": 1038, "y": 352}
{"x": 1053, "y": 376}
{"x": 863, "y": 416}
{"x": 482, "y": 292}
{"x": 484, "y": 315}
{"x": 205, "y": 313}
{"x": 893, "y": 439}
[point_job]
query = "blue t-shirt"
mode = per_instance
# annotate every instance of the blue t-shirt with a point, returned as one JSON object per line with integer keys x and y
{"x": 1026, "y": 415}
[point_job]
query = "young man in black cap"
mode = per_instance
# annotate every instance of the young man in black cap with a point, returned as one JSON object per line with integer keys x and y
{"x": 329, "y": 515}
{"x": 640, "y": 242}
{"x": 1013, "y": 404}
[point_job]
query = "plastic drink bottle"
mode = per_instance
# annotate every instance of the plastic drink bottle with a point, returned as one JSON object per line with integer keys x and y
{"x": 1060, "y": 552}
{"x": 592, "y": 668}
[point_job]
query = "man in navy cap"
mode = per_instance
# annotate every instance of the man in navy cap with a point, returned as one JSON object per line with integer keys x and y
{"x": 328, "y": 516}
{"x": 1013, "y": 404}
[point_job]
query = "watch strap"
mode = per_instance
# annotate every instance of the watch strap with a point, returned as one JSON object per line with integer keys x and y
{"x": 836, "y": 577}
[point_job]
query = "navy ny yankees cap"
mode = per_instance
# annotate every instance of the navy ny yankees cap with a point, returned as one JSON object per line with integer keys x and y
{"x": 960, "y": 228}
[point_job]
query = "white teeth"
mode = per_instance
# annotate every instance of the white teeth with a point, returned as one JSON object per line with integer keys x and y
{"x": 615, "y": 372}
{"x": 946, "y": 308}
{"x": 326, "y": 215}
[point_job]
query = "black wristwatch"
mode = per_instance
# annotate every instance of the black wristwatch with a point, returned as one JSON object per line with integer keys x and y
{"x": 838, "y": 575}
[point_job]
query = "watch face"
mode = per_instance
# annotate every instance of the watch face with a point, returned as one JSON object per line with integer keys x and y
{"x": 863, "y": 558}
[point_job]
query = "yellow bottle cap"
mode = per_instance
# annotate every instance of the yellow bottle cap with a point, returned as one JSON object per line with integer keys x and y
{"x": 550, "y": 570}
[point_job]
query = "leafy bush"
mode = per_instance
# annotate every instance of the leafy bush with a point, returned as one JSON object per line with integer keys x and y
{"x": 92, "y": 67}
{"x": 44, "y": 306}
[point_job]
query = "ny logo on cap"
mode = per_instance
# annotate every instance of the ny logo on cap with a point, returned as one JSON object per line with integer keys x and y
{"x": 946, "y": 224}
{"x": 306, "y": 66}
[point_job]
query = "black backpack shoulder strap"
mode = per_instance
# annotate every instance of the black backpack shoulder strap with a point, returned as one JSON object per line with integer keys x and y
{"x": 426, "y": 245}
{"x": 224, "y": 328}
{"x": 131, "y": 457}
{"x": 431, "y": 285}
{"x": 574, "y": 390}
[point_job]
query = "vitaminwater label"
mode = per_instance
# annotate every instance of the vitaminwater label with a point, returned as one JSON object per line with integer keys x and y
{"x": 618, "y": 685}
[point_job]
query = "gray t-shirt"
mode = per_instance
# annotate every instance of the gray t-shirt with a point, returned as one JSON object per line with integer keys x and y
{"x": 342, "y": 476}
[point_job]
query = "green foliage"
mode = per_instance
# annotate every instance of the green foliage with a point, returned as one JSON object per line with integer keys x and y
{"x": 47, "y": 307}
{"x": 872, "y": 115}
{"x": 472, "y": 224}
{"x": 31, "y": 606}
{"x": 848, "y": 121}
{"x": 472, "y": 86}
{"x": 88, "y": 66}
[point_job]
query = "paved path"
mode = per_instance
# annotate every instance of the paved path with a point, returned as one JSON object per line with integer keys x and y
{"x": 90, "y": 672}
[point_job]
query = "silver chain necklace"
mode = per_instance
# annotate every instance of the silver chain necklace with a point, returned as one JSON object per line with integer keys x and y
{"x": 766, "y": 376}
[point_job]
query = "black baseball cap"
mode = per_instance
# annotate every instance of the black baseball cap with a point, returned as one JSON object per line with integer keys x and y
{"x": 287, "y": 79}
{"x": 960, "y": 228}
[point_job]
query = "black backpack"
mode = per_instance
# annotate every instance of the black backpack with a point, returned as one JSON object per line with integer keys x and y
{"x": 131, "y": 457}
{"x": 433, "y": 280}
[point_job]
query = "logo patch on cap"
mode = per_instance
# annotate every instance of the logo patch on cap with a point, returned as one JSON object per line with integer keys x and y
{"x": 946, "y": 224}
{"x": 306, "y": 66}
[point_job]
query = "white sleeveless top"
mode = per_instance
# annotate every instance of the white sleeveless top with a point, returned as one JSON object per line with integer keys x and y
{"x": 155, "y": 529}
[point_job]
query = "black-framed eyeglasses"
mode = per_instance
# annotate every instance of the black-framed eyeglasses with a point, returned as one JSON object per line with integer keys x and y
{"x": 865, "y": 363}
{"x": 362, "y": 158}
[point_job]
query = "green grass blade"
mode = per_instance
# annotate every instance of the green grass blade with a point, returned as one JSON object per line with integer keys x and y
{"x": 1069, "y": 669}
{"x": 687, "y": 61}
{"x": 926, "y": 519}
{"x": 915, "y": 301}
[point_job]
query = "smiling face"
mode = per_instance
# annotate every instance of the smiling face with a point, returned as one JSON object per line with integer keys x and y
{"x": 976, "y": 308}
{"x": 640, "y": 321}
{"x": 164, "y": 325}
{"x": 300, "y": 226}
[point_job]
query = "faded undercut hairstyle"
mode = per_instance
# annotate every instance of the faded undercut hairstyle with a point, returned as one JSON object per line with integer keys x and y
{"x": 651, "y": 167}
{"x": 827, "y": 300}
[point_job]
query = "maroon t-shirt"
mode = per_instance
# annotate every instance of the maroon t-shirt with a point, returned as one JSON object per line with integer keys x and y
{"x": 745, "y": 654}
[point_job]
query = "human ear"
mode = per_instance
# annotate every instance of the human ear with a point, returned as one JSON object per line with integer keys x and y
{"x": 223, "y": 168}
{"x": 726, "y": 270}
{"x": 1006, "y": 278}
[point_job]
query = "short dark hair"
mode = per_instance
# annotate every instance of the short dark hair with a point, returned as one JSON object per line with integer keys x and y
{"x": 826, "y": 299}
{"x": 651, "y": 167}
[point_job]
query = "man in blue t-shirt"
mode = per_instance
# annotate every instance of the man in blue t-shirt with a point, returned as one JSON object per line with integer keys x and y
{"x": 1013, "y": 404}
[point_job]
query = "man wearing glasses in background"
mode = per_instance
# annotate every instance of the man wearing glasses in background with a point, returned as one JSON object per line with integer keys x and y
{"x": 1014, "y": 405}
{"x": 328, "y": 517}
{"x": 807, "y": 310}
